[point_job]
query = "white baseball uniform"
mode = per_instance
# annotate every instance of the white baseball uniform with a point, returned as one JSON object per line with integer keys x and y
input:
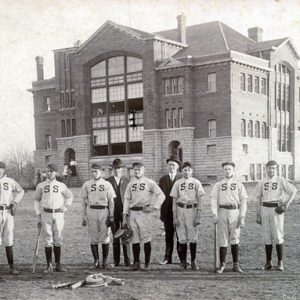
{"x": 98, "y": 196}
{"x": 187, "y": 200}
{"x": 228, "y": 202}
{"x": 272, "y": 193}
{"x": 8, "y": 187}
{"x": 51, "y": 199}
{"x": 140, "y": 193}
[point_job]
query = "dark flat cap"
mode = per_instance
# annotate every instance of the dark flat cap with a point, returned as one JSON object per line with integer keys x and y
{"x": 96, "y": 166}
{"x": 186, "y": 164}
{"x": 174, "y": 158}
{"x": 228, "y": 163}
{"x": 2, "y": 165}
{"x": 272, "y": 163}
{"x": 52, "y": 167}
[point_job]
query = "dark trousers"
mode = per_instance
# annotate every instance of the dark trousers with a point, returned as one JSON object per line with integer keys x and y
{"x": 169, "y": 238}
{"x": 117, "y": 243}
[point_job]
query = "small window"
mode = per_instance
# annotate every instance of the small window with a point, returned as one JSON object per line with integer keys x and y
{"x": 264, "y": 86}
{"x": 68, "y": 128}
{"x": 73, "y": 127}
{"x": 250, "y": 128}
{"x": 243, "y": 82}
{"x": 256, "y": 84}
{"x": 245, "y": 148}
{"x": 211, "y": 149}
{"x": 252, "y": 172}
{"x": 211, "y": 82}
{"x": 62, "y": 100}
{"x": 63, "y": 128}
{"x": 243, "y": 127}
{"x": 212, "y": 128}
{"x": 180, "y": 117}
{"x": 264, "y": 130}
{"x": 48, "y": 142}
{"x": 47, "y": 106}
{"x": 258, "y": 171}
{"x": 250, "y": 83}
{"x": 168, "y": 119}
{"x": 173, "y": 85}
{"x": 257, "y": 129}
{"x": 174, "y": 117}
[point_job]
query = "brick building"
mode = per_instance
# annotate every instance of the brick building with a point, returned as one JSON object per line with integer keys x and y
{"x": 205, "y": 92}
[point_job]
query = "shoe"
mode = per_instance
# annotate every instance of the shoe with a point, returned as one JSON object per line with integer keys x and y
{"x": 136, "y": 266}
{"x": 280, "y": 266}
{"x": 105, "y": 265}
{"x": 96, "y": 265}
{"x": 268, "y": 266}
{"x": 237, "y": 268}
{"x": 221, "y": 269}
{"x": 165, "y": 262}
{"x": 183, "y": 265}
{"x": 13, "y": 271}
{"x": 115, "y": 265}
{"x": 59, "y": 268}
{"x": 49, "y": 269}
{"x": 146, "y": 267}
{"x": 194, "y": 266}
{"x": 127, "y": 262}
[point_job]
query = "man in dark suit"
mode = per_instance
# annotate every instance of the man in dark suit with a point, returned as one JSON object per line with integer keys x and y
{"x": 119, "y": 184}
{"x": 166, "y": 183}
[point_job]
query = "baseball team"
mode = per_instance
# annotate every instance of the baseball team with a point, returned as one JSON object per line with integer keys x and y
{"x": 122, "y": 208}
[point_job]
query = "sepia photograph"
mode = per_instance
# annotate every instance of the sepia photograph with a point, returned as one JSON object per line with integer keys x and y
{"x": 149, "y": 149}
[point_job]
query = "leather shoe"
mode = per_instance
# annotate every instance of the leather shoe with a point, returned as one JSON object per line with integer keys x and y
{"x": 237, "y": 268}
{"x": 13, "y": 271}
{"x": 165, "y": 262}
{"x": 221, "y": 269}
{"x": 268, "y": 266}
{"x": 280, "y": 266}
{"x": 59, "y": 268}
{"x": 136, "y": 267}
{"x": 194, "y": 266}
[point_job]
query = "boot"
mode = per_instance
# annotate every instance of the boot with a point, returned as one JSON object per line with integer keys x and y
{"x": 57, "y": 252}
{"x": 126, "y": 257}
{"x": 223, "y": 252}
{"x": 183, "y": 254}
{"x": 147, "y": 251}
{"x": 10, "y": 260}
{"x": 105, "y": 250}
{"x": 95, "y": 252}
{"x": 279, "y": 250}
{"x": 235, "y": 258}
{"x": 48, "y": 253}
{"x": 193, "y": 248}
{"x": 268, "y": 250}
{"x": 136, "y": 257}
{"x": 116, "y": 252}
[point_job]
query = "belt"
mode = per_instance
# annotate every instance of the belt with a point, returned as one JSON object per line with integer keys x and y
{"x": 230, "y": 206}
{"x": 187, "y": 205}
{"x": 270, "y": 204}
{"x": 98, "y": 206}
{"x": 52, "y": 211}
{"x": 136, "y": 208}
{"x": 5, "y": 207}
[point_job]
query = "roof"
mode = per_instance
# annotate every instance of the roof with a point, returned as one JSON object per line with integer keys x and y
{"x": 266, "y": 45}
{"x": 209, "y": 38}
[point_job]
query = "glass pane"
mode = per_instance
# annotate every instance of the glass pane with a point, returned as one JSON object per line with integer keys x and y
{"x": 99, "y": 122}
{"x": 117, "y": 120}
{"x": 134, "y": 64}
{"x": 100, "y": 137}
{"x": 116, "y": 65}
{"x": 118, "y": 135}
{"x": 136, "y": 134}
{"x": 135, "y": 77}
{"x": 98, "y": 70}
{"x": 116, "y": 93}
{"x": 135, "y": 90}
{"x": 98, "y": 95}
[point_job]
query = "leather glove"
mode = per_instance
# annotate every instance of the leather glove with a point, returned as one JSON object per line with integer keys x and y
{"x": 13, "y": 209}
{"x": 280, "y": 209}
{"x": 109, "y": 221}
{"x": 84, "y": 221}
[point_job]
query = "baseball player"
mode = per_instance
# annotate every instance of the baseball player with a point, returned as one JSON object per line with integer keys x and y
{"x": 142, "y": 197}
{"x": 229, "y": 206}
{"x": 98, "y": 213}
{"x": 11, "y": 194}
{"x": 166, "y": 183}
{"x": 187, "y": 195}
{"x": 52, "y": 199}
{"x": 119, "y": 184}
{"x": 274, "y": 194}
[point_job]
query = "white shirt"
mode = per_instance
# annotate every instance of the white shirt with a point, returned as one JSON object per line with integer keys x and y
{"x": 117, "y": 179}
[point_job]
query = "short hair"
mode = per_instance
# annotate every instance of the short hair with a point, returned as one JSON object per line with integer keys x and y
{"x": 186, "y": 164}
{"x": 271, "y": 163}
{"x": 138, "y": 164}
{"x": 96, "y": 166}
{"x": 52, "y": 167}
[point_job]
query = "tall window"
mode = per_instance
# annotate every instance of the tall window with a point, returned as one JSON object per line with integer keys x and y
{"x": 250, "y": 128}
{"x": 174, "y": 117}
{"x": 211, "y": 82}
{"x": 252, "y": 172}
{"x": 264, "y": 130}
{"x": 116, "y": 85}
{"x": 264, "y": 86}
{"x": 48, "y": 142}
{"x": 256, "y": 84}
{"x": 258, "y": 171}
{"x": 243, "y": 127}
{"x": 168, "y": 119}
{"x": 174, "y": 85}
{"x": 63, "y": 128}
{"x": 180, "y": 117}
{"x": 68, "y": 128}
{"x": 243, "y": 82}
{"x": 212, "y": 128}
{"x": 47, "y": 106}
{"x": 250, "y": 83}
{"x": 73, "y": 127}
{"x": 257, "y": 129}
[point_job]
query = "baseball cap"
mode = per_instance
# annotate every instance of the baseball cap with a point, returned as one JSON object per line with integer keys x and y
{"x": 186, "y": 164}
{"x": 137, "y": 164}
{"x": 174, "y": 158}
{"x": 272, "y": 163}
{"x": 2, "y": 165}
{"x": 52, "y": 167}
{"x": 96, "y": 166}
{"x": 228, "y": 163}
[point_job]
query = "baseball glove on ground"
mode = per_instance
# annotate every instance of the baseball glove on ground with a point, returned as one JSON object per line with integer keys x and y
{"x": 127, "y": 234}
{"x": 280, "y": 209}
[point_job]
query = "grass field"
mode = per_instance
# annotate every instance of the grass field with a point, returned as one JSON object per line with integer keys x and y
{"x": 161, "y": 282}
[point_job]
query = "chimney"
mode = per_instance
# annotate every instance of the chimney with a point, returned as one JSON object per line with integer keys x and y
{"x": 40, "y": 67}
{"x": 181, "y": 32}
{"x": 255, "y": 34}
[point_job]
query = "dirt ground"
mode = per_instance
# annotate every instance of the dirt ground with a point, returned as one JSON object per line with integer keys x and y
{"x": 161, "y": 282}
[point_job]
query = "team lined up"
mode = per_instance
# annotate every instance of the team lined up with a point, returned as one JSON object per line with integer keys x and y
{"x": 118, "y": 204}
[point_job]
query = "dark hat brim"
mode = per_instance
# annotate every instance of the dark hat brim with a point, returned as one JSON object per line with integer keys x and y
{"x": 175, "y": 160}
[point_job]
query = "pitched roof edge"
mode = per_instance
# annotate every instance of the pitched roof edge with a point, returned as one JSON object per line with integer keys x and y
{"x": 223, "y": 35}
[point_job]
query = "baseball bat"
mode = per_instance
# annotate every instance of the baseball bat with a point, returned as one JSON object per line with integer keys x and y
{"x": 77, "y": 284}
{"x": 36, "y": 251}
{"x": 216, "y": 249}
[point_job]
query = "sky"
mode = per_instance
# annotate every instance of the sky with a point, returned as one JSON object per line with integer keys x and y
{"x": 30, "y": 28}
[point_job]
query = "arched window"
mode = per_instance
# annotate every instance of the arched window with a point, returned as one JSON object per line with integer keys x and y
{"x": 243, "y": 127}
{"x": 250, "y": 128}
{"x": 257, "y": 129}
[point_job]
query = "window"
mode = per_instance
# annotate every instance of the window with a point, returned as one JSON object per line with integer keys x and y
{"x": 48, "y": 142}
{"x": 250, "y": 128}
{"x": 135, "y": 90}
{"x": 256, "y": 84}
{"x": 99, "y": 122}
{"x": 212, "y": 128}
{"x": 264, "y": 86}
{"x": 116, "y": 93}
{"x": 243, "y": 127}
{"x": 168, "y": 119}
{"x": 211, "y": 82}
{"x": 100, "y": 137}
{"x": 68, "y": 128}
{"x": 245, "y": 148}
{"x": 98, "y": 70}
{"x": 180, "y": 117}
{"x": 63, "y": 128}
{"x": 211, "y": 149}
{"x": 173, "y": 85}
{"x": 258, "y": 171}
{"x": 118, "y": 135}
{"x": 243, "y": 81}
{"x": 99, "y": 95}
{"x": 117, "y": 120}
{"x": 174, "y": 117}
{"x": 134, "y": 64}
{"x": 250, "y": 83}
{"x": 47, "y": 106}
{"x": 136, "y": 134}
{"x": 73, "y": 127}
{"x": 257, "y": 129}
{"x": 264, "y": 130}
{"x": 62, "y": 100}
{"x": 116, "y": 65}
{"x": 252, "y": 172}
